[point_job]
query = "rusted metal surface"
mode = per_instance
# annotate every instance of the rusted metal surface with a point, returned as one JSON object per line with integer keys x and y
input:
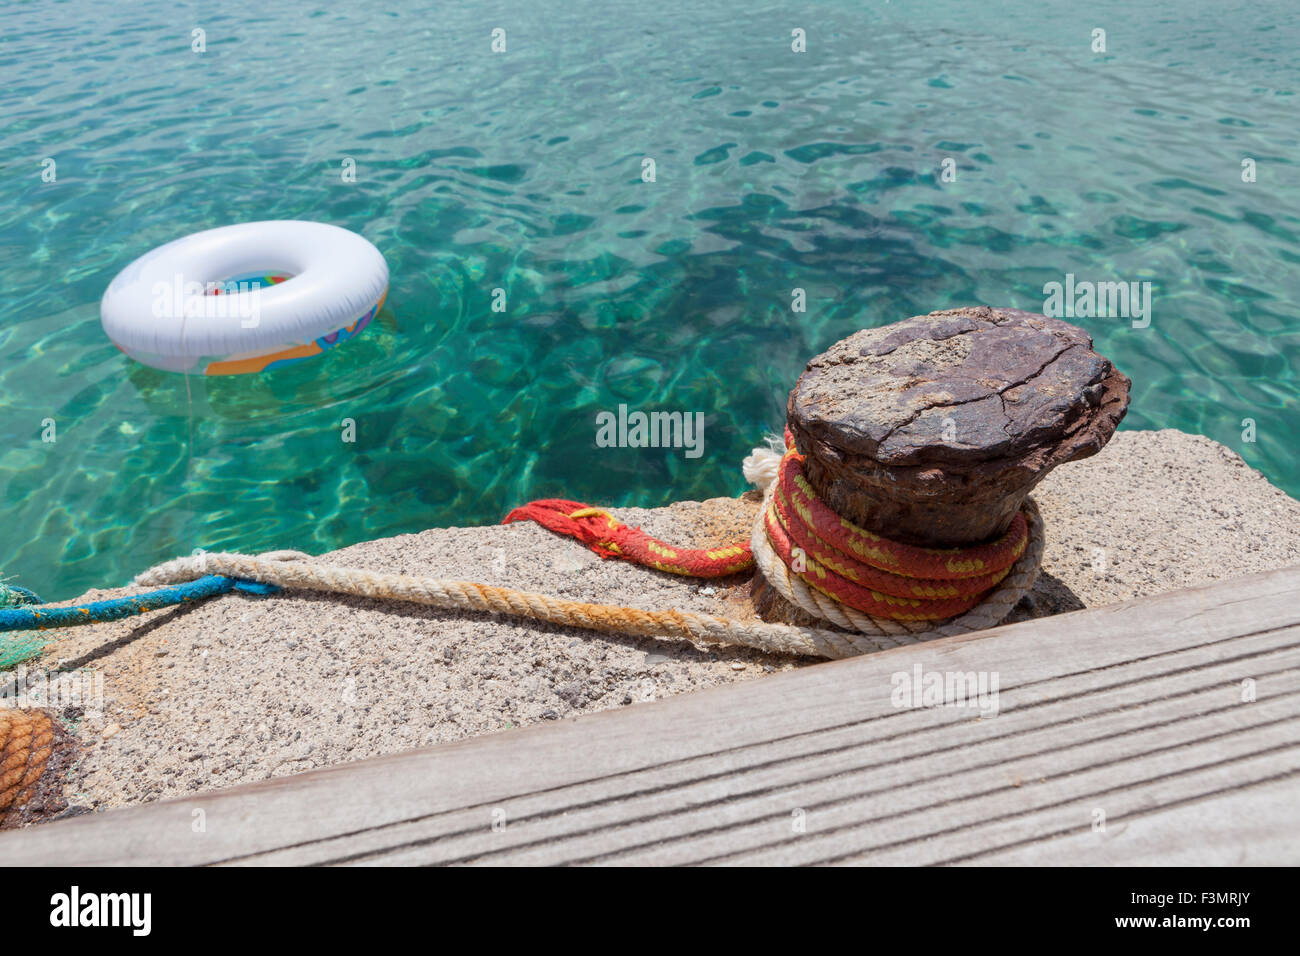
{"x": 933, "y": 430}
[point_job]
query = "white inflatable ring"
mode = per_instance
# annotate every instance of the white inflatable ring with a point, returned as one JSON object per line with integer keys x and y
{"x": 245, "y": 298}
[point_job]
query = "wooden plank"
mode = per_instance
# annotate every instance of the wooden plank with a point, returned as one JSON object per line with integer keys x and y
{"x": 901, "y": 824}
{"x": 683, "y": 798}
{"x": 909, "y": 788}
{"x": 1247, "y": 826}
{"x": 1137, "y": 705}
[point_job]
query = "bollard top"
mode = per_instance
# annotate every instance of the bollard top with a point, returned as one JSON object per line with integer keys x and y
{"x": 962, "y": 387}
{"x": 932, "y": 430}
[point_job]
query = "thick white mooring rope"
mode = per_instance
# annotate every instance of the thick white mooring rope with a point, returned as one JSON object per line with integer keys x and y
{"x": 292, "y": 569}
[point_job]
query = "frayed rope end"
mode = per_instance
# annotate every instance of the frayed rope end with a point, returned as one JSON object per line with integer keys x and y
{"x": 762, "y": 465}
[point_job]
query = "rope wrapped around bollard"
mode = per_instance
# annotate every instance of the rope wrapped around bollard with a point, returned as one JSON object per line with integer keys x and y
{"x": 290, "y": 571}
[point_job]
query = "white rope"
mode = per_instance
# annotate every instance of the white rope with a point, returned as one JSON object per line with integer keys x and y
{"x": 293, "y": 569}
{"x": 468, "y": 595}
{"x": 762, "y": 466}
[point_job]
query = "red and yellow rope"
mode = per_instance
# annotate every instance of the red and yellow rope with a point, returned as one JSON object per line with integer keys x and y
{"x": 851, "y": 565}
{"x": 610, "y": 538}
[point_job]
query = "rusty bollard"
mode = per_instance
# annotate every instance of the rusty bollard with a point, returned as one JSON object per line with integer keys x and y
{"x": 933, "y": 430}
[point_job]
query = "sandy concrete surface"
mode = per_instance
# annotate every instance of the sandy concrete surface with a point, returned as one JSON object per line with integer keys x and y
{"x": 243, "y": 688}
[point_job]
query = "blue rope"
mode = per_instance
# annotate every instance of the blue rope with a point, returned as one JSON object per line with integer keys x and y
{"x": 42, "y": 618}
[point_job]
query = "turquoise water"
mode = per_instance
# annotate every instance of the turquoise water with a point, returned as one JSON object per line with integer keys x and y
{"x": 522, "y": 171}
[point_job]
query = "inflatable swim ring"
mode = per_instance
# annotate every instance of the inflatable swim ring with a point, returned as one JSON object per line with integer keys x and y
{"x": 245, "y": 298}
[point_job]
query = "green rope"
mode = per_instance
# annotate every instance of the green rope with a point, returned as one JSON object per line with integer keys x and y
{"x": 22, "y": 646}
